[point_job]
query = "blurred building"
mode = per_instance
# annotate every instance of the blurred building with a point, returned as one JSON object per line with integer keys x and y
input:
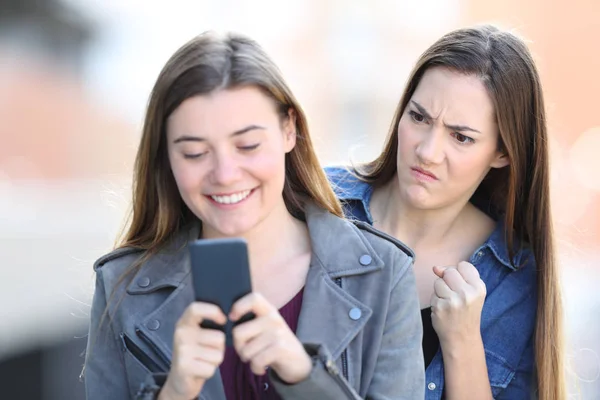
{"x": 55, "y": 145}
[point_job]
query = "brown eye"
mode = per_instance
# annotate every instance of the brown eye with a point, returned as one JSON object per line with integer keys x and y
{"x": 462, "y": 139}
{"x": 416, "y": 116}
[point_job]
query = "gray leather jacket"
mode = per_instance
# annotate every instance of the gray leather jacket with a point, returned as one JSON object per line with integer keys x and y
{"x": 360, "y": 319}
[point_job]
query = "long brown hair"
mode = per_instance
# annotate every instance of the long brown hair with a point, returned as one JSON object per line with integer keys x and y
{"x": 207, "y": 63}
{"x": 520, "y": 192}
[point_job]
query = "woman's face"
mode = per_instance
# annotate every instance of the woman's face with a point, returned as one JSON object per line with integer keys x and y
{"x": 447, "y": 140}
{"x": 227, "y": 152}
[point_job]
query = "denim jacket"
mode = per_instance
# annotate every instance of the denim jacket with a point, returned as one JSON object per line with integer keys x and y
{"x": 509, "y": 312}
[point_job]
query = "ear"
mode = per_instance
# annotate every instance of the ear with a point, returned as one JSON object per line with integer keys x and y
{"x": 500, "y": 160}
{"x": 289, "y": 131}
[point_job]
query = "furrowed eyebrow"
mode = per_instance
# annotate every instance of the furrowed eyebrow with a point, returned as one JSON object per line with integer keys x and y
{"x": 458, "y": 128}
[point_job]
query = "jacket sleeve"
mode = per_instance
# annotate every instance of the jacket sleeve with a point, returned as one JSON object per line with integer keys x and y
{"x": 400, "y": 369}
{"x": 522, "y": 385}
{"x": 324, "y": 382}
{"x": 104, "y": 371}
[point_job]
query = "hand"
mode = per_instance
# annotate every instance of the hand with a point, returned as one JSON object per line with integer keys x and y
{"x": 197, "y": 352}
{"x": 457, "y": 302}
{"x": 267, "y": 341}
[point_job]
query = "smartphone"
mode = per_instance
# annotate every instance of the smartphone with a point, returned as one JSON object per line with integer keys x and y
{"x": 221, "y": 276}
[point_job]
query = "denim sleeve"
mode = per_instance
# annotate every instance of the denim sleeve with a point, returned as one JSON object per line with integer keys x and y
{"x": 104, "y": 371}
{"x": 522, "y": 386}
{"x": 400, "y": 370}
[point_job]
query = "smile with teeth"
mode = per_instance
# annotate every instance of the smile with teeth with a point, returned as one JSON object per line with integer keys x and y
{"x": 232, "y": 198}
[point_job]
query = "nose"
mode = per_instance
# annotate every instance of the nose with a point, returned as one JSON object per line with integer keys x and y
{"x": 225, "y": 169}
{"x": 430, "y": 150}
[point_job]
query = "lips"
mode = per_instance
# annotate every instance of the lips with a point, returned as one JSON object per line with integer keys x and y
{"x": 232, "y": 198}
{"x": 424, "y": 173}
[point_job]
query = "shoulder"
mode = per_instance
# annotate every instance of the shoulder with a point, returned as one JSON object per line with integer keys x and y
{"x": 112, "y": 266}
{"x": 517, "y": 256}
{"x": 379, "y": 238}
{"x": 393, "y": 253}
{"x": 345, "y": 183}
{"x": 337, "y": 173}
{"x": 119, "y": 256}
{"x": 339, "y": 242}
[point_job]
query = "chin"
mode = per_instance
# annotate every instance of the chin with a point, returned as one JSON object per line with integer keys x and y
{"x": 233, "y": 230}
{"x": 419, "y": 198}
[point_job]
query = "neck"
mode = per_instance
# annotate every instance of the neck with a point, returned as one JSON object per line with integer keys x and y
{"x": 417, "y": 228}
{"x": 275, "y": 240}
{"x": 279, "y": 238}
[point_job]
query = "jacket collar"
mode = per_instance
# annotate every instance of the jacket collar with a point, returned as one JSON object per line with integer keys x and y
{"x": 168, "y": 268}
{"x": 171, "y": 266}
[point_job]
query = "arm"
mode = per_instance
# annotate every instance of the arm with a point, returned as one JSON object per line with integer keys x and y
{"x": 297, "y": 371}
{"x": 104, "y": 372}
{"x": 400, "y": 370}
{"x": 456, "y": 306}
{"x": 324, "y": 382}
{"x": 466, "y": 372}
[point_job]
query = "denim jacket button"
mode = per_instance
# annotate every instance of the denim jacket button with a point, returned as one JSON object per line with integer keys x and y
{"x": 365, "y": 260}
{"x": 431, "y": 386}
{"x": 153, "y": 325}
{"x": 355, "y": 314}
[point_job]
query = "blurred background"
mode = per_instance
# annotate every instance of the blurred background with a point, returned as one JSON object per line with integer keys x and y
{"x": 74, "y": 80}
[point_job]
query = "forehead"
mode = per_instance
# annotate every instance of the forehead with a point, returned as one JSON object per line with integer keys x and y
{"x": 458, "y": 97}
{"x": 223, "y": 110}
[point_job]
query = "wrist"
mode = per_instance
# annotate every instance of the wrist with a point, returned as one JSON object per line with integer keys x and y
{"x": 301, "y": 373}
{"x": 462, "y": 346}
{"x": 168, "y": 393}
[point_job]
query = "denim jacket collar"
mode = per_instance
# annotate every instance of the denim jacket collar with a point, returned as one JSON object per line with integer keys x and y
{"x": 348, "y": 187}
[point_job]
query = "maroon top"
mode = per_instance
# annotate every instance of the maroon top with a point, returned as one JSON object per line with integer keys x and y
{"x": 239, "y": 381}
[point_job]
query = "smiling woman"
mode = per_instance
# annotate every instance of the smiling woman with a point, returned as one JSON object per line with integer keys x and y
{"x": 225, "y": 152}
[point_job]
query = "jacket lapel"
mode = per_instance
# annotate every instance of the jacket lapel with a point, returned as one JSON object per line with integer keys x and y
{"x": 330, "y": 315}
{"x": 169, "y": 270}
{"x": 325, "y": 317}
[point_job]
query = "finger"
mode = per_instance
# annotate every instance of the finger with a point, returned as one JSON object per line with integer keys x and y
{"x": 187, "y": 342}
{"x": 197, "y": 312}
{"x": 436, "y": 304}
{"x": 441, "y": 289}
{"x": 244, "y": 333}
{"x": 259, "y": 343}
{"x": 439, "y": 271}
{"x": 197, "y": 368}
{"x": 210, "y": 337}
{"x": 252, "y": 302}
{"x": 469, "y": 273}
{"x": 454, "y": 280}
{"x": 262, "y": 360}
{"x": 207, "y": 354}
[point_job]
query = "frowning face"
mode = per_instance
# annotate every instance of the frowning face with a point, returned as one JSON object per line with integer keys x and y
{"x": 447, "y": 140}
